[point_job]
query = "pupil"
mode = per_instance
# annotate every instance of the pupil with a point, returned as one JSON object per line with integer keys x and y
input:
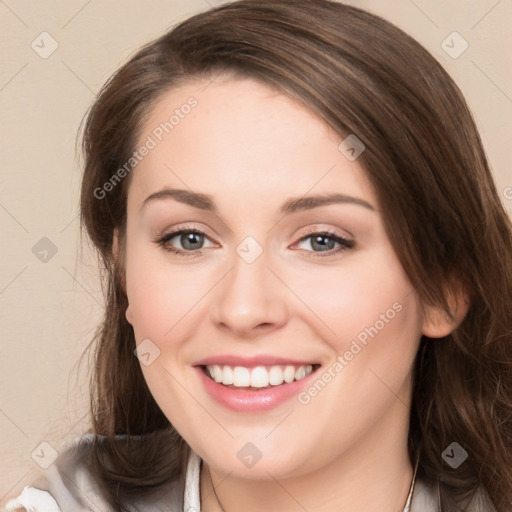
{"x": 323, "y": 245}
{"x": 188, "y": 239}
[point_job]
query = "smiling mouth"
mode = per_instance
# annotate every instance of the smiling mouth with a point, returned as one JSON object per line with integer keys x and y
{"x": 258, "y": 377}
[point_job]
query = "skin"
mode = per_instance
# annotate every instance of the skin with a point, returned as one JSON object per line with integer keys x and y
{"x": 251, "y": 148}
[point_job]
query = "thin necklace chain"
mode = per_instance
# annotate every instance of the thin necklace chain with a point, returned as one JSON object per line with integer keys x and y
{"x": 214, "y": 491}
{"x": 410, "y": 492}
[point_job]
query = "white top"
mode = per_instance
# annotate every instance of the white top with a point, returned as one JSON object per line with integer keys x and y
{"x": 66, "y": 498}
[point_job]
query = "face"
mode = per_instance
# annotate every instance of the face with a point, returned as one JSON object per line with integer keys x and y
{"x": 266, "y": 286}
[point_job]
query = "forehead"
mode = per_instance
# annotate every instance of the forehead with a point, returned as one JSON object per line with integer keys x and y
{"x": 244, "y": 140}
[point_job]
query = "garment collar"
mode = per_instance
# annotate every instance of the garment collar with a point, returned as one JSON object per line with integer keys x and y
{"x": 192, "y": 500}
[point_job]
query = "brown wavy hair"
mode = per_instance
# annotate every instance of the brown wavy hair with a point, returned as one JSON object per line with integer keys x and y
{"x": 443, "y": 215}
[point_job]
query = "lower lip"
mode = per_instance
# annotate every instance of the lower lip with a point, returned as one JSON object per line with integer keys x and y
{"x": 243, "y": 400}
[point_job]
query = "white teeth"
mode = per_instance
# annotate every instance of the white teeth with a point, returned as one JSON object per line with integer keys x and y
{"x": 275, "y": 376}
{"x": 217, "y": 373}
{"x": 227, "y": 375}
{"x": 259, "y": 376}
{"x": 289, "y": 374}
{"x": 300, "y": 372}
{"x": 241, "y": 377}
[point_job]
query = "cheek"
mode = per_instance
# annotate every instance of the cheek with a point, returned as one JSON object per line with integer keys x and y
{"x": 161, "y": 295}
{"x": 369, "y": 316}
{"x": 365, "y": 298}
{"x": 163, "y": 299}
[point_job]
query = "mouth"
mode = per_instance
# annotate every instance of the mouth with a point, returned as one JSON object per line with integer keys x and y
{"x": 254, "y": 384}
{"x": 257, "y": 378}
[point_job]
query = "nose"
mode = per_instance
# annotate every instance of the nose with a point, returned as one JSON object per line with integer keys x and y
{"x": 250, "y": 300}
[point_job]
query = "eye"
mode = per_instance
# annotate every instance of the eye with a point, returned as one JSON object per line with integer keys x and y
{"x": 325, "y": 242}
{"x": 191, "y": 241}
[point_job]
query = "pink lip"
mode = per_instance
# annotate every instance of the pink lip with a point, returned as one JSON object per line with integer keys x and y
{"x": 243, "y": 400}
{"x": 250, "y": 362}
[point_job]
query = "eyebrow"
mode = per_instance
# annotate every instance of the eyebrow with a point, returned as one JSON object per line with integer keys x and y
{"x": 292, "y": 205}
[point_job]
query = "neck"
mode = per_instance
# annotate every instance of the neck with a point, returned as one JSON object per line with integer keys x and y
{"x": 373, "y": 474}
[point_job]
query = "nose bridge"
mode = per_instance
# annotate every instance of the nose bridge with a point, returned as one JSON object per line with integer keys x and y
{"x": 249, "y": 297}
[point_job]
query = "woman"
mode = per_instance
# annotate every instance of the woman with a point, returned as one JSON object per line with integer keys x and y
{"x": 304, "y": 246}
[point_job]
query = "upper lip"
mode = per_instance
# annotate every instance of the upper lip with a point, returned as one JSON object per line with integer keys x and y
{"x": 251, "y": 361}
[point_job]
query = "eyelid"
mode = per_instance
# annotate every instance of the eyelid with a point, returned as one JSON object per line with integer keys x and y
{"x": 346, "y": 243}
{"x": 318, "y": 229}
{"x": 165, "y": 233}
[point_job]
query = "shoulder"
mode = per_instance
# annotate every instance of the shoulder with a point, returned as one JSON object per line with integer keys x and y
{"x": 69, "y": 486}
{"x": 32, "y": 499}
{"x": 426, "y": 496}
{"x": 66, "y": 485}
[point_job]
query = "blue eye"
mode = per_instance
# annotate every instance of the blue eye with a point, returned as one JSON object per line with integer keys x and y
{"x": 190, "y": 239}
{"x": 324, "y": 242}
{"x": 192, "y": 243}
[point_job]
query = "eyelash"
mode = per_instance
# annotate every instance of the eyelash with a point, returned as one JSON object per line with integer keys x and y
{"x": 344, "y": 243}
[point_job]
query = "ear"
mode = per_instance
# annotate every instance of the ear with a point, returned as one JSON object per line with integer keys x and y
{"x": 437, "y": 323}
{"x": 118, "y": 254}
{"x": 129, "y": 315}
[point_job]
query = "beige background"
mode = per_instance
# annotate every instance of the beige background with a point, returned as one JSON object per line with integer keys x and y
{"x": 49, "y": 309}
